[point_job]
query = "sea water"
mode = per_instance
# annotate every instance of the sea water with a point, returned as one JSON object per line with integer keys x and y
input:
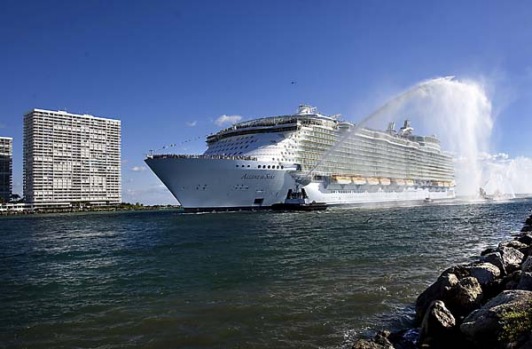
{"x": 231, "y": 280}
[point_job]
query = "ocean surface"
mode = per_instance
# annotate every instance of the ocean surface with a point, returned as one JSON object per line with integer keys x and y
{"x": 231, "y": 280}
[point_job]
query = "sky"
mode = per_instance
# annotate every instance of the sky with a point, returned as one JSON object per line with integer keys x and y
{"x": 175, "y": 71}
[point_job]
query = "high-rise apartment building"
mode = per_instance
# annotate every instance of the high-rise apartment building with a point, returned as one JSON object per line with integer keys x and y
{"x": 6, "y": 168}
{"x": 71, "y": 159}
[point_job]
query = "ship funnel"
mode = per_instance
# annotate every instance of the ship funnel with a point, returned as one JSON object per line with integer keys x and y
{"x": 306, "y": 110}
{"x": 406, "y": 130}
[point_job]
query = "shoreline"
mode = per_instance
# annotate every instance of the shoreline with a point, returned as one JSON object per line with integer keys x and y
{"x": 94, "y": 209}
{"x": 484, "y": 304}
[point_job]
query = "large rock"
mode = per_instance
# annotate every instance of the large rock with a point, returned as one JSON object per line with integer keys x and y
{"x": 466, "y": 296}
{"x": 511, "y": 281}
{"x": 379, "y": 342}
{"x": 436, "y": 291}
{"x": 405, "y": 339}
{"x": 487, "y": 251}
{"x": 504, "y": 322}
{"x": 527, "y": 251}
{"x": 495, "y": 258}
{"x": 527, "y": 264}
{"x": 461, "y": 293}
{"x": 437, "y": 325}
{"x": 526, "y": 228}
{"x": 522, "y": 247}
{"x": 485, "y": 273}
{"x": 525, "y": 282}
{"x": 525, "y": 237}
{"x": 461, "y": 271}
{"x": 513, "y": 243}
{"x": 368, "y": 344}
{"x": 511, "y": 257}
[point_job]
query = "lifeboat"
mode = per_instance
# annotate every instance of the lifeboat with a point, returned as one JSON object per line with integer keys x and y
{"x": 384, "y": 181}
{"x": 341, "y": 179}
{"x": 398, "y": 181}
{"x": 409, "y": 182}
{"x": 373, "y": 181}
{"x": 358, "y": 180}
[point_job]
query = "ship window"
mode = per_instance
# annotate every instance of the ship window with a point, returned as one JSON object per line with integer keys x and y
{"x": 248, "y": 165}
{"x": 268, "y": 166}
{"x": 259, "y": 166}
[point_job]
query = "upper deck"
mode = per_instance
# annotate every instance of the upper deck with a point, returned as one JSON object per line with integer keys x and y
{"x": 309, "y": 117}
{"x": 306, "y": 116}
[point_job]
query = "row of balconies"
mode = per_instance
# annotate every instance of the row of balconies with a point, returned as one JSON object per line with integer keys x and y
{"x": 365, "y": 167}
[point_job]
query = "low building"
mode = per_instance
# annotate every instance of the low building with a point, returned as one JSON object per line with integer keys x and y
{"x": 6, "y": 168}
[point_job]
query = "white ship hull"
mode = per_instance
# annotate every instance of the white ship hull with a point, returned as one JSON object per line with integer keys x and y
{"x": 218, "y": 184}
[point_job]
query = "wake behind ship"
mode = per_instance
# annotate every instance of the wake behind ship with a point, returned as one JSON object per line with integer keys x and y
{"x": 255, "y": 164}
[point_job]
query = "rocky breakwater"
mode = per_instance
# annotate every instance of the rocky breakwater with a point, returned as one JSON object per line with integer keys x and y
{"x": 484, "y": 304}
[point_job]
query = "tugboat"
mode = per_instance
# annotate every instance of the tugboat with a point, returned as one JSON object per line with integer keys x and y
{"x": 297, "y": 200}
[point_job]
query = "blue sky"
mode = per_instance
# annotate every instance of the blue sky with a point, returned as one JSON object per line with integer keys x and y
{"x": 169, "y": 69}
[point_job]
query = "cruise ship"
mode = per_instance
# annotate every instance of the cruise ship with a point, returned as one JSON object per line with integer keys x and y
{"x": 254, "y": 164}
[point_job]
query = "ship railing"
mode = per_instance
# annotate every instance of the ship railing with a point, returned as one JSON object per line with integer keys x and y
{"x": 211, "y": 157}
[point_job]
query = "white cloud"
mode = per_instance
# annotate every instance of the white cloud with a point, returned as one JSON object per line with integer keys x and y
{"x": 138, "y": 168}
{"x": 192, "y": 123}
{"x": 227, "y": 119}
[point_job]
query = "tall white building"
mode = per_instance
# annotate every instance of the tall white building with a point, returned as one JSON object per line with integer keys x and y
{"x": 6, "y": 168}
{"x": 71, "y": 159}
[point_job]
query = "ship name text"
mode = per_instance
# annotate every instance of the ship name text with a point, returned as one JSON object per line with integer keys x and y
{"x": 256, "y": 176}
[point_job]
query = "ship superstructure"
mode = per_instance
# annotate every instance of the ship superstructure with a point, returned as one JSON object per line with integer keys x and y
{"x": 253, "y": 164}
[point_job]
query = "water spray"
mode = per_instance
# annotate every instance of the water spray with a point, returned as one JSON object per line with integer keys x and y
{"x": 391, "y": 103}
{"x": 459, "y": 110}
